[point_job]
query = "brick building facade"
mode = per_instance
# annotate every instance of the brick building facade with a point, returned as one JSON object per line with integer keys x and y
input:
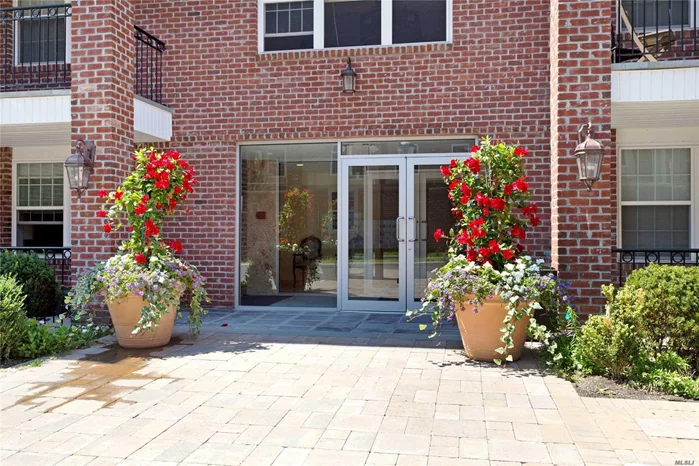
{"x": 255, "y": 122}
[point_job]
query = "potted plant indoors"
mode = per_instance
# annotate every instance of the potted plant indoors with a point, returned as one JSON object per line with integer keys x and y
{"x": 143, "y": 283}
{"x": 489, "y": 286}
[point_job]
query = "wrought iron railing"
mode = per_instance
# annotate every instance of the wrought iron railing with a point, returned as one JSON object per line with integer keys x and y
{"x": 58, "y": 259}
{"x": 653, "y": 30}
{"x": 149, "y": 66}
{"x": 34, "y": 42}
{"x": 628, "y": 259}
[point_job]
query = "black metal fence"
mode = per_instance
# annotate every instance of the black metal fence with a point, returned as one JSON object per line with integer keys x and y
{"x": 34, "y": 42}
{"x": 149, "y": 66}
{"x": 58, "y": 259}
{"x": 655, "y": 30}
{"x": 628, "y": 260}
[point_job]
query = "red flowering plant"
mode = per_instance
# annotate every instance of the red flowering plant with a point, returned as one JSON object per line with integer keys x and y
{"x": 493, "y": 211}
{"x": 146, "y": 264}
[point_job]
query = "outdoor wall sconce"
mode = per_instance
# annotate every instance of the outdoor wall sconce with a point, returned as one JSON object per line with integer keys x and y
{"x": 80, "y": 165}
{"x": 589, "y": 155}
{"x": 349, "y": 78}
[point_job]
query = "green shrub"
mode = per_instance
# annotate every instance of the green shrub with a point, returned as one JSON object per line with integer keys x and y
{"x": 37, "y": 280}
{"x": 612, "y": 344}
{"x": 44, "y": 339}
{"x": 12, "y": 316}
{"x": 671, "y": 310}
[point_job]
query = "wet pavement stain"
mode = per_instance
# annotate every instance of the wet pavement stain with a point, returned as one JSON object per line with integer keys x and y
{"x": 92, "y": 376}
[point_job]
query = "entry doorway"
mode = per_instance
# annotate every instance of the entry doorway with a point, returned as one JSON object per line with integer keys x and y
{"x": 389, "y": 208}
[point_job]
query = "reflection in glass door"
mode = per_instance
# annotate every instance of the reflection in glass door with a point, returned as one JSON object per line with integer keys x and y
{"x": 373, "y": 220}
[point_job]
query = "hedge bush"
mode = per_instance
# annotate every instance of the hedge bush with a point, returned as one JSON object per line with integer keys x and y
{"x": 12, "y": 316}
{"x": 38, "y": 282}
{"x": 671, "y": 308}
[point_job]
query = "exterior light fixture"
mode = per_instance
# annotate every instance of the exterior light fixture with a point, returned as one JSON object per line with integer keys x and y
{"x": 349, "y": 78}
{"x": 589, "y": 155}
{"x": 80, "y": 165}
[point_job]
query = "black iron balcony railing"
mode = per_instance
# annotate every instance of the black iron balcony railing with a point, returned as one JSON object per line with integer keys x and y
{"x": 654, "y": 30}
{"x": 149, "y": 66}
{"x": 34, "y": 42}
{"x": 629, "y": 259}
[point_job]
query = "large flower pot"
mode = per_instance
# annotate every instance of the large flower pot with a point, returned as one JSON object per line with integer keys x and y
{"x": 480, "y": 331}
{"x": 125, "y": 314}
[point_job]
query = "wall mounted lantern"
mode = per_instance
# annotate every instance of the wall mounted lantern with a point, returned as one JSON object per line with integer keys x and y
{"x": 349, "y": 78}
{"x": 80, "y": 165}
{"x": 589, "y": 155}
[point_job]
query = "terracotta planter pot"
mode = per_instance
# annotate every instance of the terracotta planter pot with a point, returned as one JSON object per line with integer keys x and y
{"x": 480, "y": 332}
{"x": 126, "y": 312}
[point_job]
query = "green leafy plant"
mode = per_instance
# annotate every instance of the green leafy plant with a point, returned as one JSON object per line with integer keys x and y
{"x": 671, "y": 308}
{"x": 292, "y": 225}
{"x": 43, "y": 339}
{"x": 37, "y": 280}
{"x": 12, "y": 316}
{"x": 146, "y": 265}
{"x": 559, "y": 349}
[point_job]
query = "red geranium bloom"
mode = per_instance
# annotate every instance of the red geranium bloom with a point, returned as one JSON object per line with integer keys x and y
{"x": 175, "y": 246}
{"x": 140, "y": 209}
{"x": 172, "y": 204}
{"x": 140, "y": 258}
{"x": 535, "y": 220}
{"x": 507, "y": 190}
{"x": 521, "y": 185}
{"x": 474, "y": 149}
{"x": 507, "y": 254}
{"x": 177, "y": 190}
{"x": 145, "y": 198}
{"x": 129, "y": 228}
{"x": 518, "y": 232}
{"x": 486, "y": 212}
{"x": 464, "y": 199}
{"x": 521, "y": 151}
{"x": 474, "y": 165}
{"x": 497, "y": 203}
{"x": 118, "y": 195}
{"x": 438, "y": 234}
{"x": 452, "y": 164}
{"x": 101, "y": 213}
{"x": 107, "y": 228}
{"x": 151, "y": 228}
{"x": 102, "y": 193}
{"x": 484, "y": 252}
{"x": 454, "y": 184}
{"x": 463, "y": 238}
{"x": 494, "y": 246}
{"x": 465, "y": 190}
{"x": 476, "y": 223}
{"x": 445, "y": 171}
{"x": 482, "y": 200}
{"x": 471, "y": 255}
{"x": 478, "y": 233}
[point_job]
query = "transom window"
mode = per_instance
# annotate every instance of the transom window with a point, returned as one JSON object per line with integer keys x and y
{"x": 656, "y": 198}
{"x": 39, "y": 204}
{"x": 318, "y": 24}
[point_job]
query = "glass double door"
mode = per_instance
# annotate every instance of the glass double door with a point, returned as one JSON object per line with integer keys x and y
{"x": 389, "y": 210}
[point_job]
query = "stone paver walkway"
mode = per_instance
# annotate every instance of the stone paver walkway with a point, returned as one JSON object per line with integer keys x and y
{"x": 283, "y": 400}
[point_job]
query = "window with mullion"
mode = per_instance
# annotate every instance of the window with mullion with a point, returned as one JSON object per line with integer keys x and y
{"x": 39, "y": 204}
{"x": 299, "y": 24}
{"x": 41, "y": 33}
{"x": 656, "y": 198}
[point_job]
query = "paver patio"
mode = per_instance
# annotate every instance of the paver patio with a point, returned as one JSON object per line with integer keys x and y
{"x": 279, "y": 399}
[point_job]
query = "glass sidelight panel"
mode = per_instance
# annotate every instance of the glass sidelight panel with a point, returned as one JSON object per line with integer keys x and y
{"x": 376, "y": 233}
{"x": 432, "y": 210}
{"x": 288, "y": 225}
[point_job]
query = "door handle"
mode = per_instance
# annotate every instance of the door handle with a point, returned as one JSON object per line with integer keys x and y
{"x": 398, "y": 228}
{"x": 414, "y": 238}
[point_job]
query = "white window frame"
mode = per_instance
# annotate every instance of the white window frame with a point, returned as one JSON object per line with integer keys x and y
{"x": 17, "y": 42}
{"x": 48, "y": 155}
{"x": 694, "y": 192}
{"x": 319, "y": 26}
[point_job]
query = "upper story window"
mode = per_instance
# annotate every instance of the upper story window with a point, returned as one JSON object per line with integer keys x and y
{"x": 318, "y": 24}
{"x": 657, "y": 14}
{"x": 41, "y": 35}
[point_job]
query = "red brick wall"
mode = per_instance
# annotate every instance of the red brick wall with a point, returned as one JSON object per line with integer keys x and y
{"x": 581, "y": 220}
{"x": 101, "y": 110}
{"x": 5, "y": 196}
{"x": 493, "y": 80}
